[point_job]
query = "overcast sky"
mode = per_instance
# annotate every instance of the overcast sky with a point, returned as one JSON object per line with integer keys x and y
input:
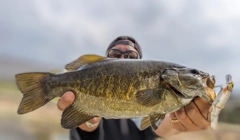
{"x": 201, "y": 34}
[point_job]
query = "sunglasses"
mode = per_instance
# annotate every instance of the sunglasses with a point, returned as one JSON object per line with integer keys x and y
{"x": 115, "y": 53}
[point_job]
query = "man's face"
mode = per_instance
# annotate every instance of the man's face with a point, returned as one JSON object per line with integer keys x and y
{"x": 124, "y": 51}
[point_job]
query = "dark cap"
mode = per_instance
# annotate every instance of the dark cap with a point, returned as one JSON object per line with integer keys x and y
{"x": 130, "y": 41}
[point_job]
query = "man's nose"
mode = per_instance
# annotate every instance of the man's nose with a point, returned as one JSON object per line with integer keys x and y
{"x": 122, "y": 56}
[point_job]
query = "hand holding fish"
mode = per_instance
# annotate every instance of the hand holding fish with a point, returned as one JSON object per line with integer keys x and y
{"x": 66, "y": 100}
{"x": 192, "y": 117}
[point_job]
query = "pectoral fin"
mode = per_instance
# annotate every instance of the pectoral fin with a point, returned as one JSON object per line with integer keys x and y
{"x": 83, "y": 60}
{"x": 150, "y": 97}
{"x": 72, "y": 118}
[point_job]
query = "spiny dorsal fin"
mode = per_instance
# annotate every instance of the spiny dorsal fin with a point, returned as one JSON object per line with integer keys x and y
{"x": 83, "y": 60}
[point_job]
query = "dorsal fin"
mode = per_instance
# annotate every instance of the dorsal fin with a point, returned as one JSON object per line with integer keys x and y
{"x": 83, "y": 60}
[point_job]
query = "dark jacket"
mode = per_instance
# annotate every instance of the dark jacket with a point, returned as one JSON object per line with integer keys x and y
{"x": 114, "y": 129}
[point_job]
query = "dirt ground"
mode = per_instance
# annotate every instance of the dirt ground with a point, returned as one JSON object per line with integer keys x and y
{"x": 42, "y": 124}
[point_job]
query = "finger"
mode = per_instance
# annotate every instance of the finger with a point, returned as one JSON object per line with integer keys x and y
{"x": 198, "y": 121}
{"x": 173, "y": 116}
{"x": 176, "y": 124}
{"x": 209, "y": 114}
{"x": 182, "y": 115}
{"x": 66, "y": 100}
{"x": 203, "y": 106}
{"x": 95, "y": 120}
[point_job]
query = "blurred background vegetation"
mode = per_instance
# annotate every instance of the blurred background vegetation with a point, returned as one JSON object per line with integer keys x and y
{"x": 231, "y": 112}
{"x": 42, "y": 124}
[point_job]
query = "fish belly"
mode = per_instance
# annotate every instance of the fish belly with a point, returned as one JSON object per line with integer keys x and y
{"x": 116, "y": 108}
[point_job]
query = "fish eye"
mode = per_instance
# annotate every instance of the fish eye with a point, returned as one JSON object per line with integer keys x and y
{"x": 194, "y": 71}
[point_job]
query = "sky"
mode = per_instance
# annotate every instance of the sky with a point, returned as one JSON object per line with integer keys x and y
{"x": 200, "y": 34}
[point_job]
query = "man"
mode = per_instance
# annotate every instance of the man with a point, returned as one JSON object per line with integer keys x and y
{"x": 193, "y": 117}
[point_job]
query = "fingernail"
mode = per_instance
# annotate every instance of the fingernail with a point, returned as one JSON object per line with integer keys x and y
{"x": 68, "y": 97}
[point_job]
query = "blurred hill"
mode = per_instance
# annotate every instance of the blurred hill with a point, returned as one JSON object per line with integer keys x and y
{"x": 9, "y": 66}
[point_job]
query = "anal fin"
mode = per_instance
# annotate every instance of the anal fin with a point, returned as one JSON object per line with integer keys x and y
{"x": 72, "y": 117}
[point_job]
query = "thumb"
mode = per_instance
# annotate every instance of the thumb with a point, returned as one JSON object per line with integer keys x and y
{"x": 66, "y": 100}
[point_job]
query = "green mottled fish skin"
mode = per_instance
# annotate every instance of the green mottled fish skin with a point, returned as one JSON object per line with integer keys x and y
{"x": 114, "y": 88}
{"x": 109, "y": 88}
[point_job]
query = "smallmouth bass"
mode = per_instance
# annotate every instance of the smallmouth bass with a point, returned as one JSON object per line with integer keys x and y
{"x": 116, "y": 88}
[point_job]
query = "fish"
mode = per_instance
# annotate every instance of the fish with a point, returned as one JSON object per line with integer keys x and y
{"x": 116, "y": 88}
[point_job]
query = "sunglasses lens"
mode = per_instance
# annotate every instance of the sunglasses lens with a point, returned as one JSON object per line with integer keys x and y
{"x": 114, "y": 54}
{"x": 131, "y": 55}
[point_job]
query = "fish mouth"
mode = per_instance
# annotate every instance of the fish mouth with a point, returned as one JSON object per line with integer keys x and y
{"x": 209, "y": 85}
{"x": 209, "y": 82}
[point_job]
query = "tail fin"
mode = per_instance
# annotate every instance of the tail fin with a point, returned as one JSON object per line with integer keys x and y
{"x": 32, "y": 85}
